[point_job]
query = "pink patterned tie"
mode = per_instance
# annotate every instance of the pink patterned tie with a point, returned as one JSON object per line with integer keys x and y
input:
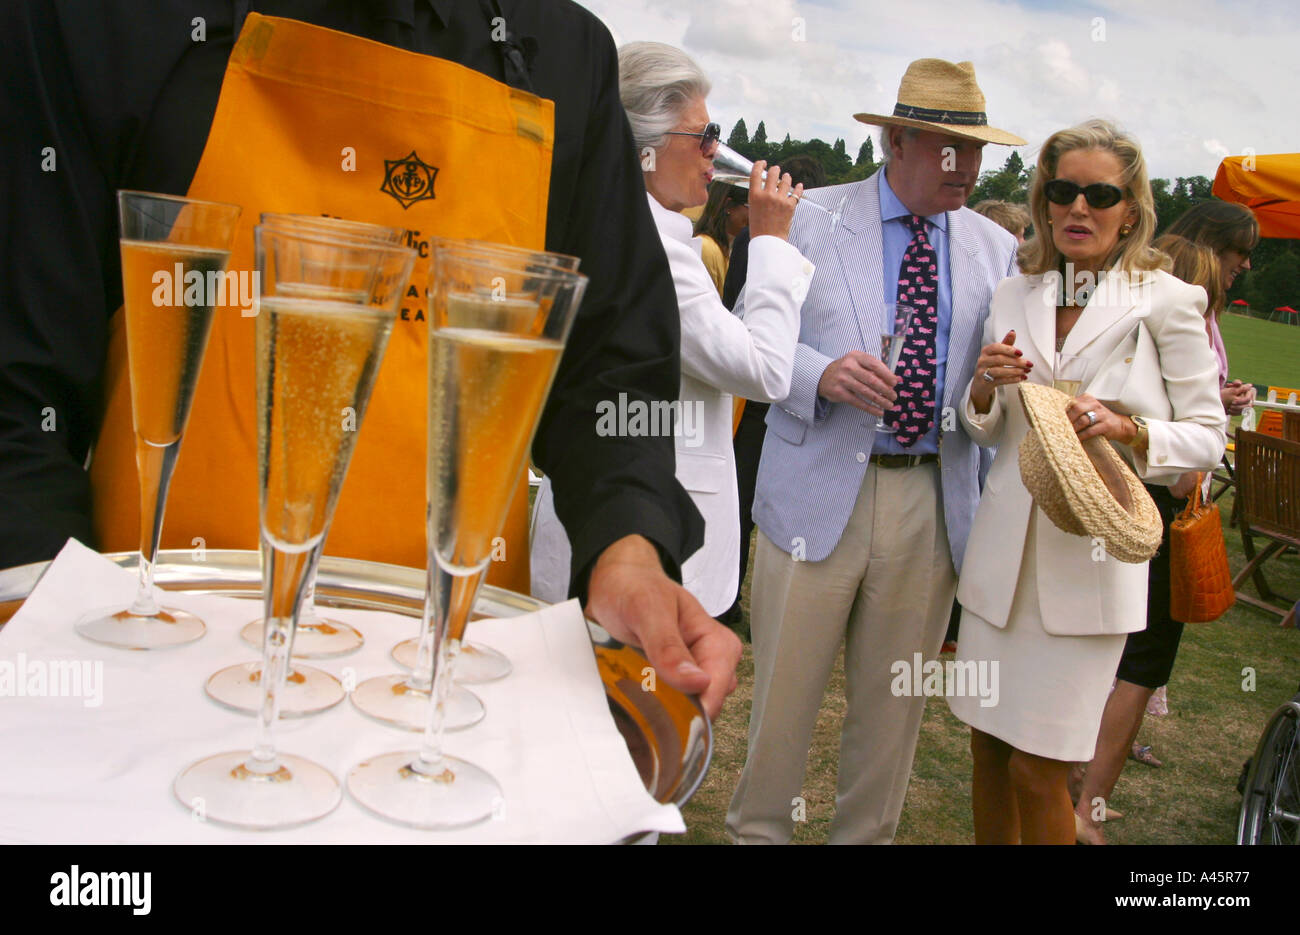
{"x": 918, "y": 279}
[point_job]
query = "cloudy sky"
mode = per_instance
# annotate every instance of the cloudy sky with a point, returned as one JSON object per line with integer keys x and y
{"x": 1194, "y": 80}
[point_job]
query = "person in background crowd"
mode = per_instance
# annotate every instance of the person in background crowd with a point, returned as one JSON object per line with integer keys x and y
{"x": 726, "y": 214}
{"x": 1006, "y": 214}
{"x": 1149, "y": 654}
{"x": 747, "y": 444}
{"x": 1232, "y": 232}
{"x": 664, "y": 93}
{"x": 137, "y": 112}
{"x": 1034, "y": 598}
{"x": 861, "y": 532}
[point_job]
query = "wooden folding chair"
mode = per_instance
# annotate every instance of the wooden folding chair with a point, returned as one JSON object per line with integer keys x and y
{"x": 1267, "y": 505}
{"x": 1291, "y": 426}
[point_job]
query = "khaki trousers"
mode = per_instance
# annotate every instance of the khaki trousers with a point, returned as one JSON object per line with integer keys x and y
{"x": 886, "y": 591}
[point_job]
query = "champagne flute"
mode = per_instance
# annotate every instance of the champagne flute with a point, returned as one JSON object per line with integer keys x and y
{"x": 317, "y": 637}
{"x": 891, "y": 348}
{"x": 174, "y": 254}
{"x": 731, "y": 166}
{"x": 317, "y": 358}
{"x": 312, "y": 267}
{"x": 496, "y": 334}
{"x": 401, "y": 700}
{"x": 477, "y": 663}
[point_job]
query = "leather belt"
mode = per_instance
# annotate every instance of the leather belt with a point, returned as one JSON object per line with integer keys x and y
{"x": 902, "y": 461}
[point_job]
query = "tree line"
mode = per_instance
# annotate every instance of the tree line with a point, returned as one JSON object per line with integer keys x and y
{"x": 1273, "y": 281}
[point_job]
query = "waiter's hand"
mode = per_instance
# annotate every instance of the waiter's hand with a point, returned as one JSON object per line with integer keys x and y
{"x": 631, "y": 596}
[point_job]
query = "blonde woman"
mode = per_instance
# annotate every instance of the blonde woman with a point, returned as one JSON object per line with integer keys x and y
{"x": 1038, "y": 601}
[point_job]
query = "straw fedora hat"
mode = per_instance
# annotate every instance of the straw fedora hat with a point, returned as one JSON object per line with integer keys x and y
{"x": 942, "y": 97}
{"x": 1084, "y": 488}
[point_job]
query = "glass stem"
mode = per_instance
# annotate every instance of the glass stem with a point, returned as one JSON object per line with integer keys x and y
{"x": 448, "y": 603}
{"x": 421, "y": 677}
{"x": 307, "y": 617}
{"x": 154, "y": 464}
{"x": 285, "y": 579}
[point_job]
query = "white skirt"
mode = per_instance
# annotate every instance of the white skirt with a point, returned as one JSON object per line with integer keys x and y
{"x": 1051, "y": 690}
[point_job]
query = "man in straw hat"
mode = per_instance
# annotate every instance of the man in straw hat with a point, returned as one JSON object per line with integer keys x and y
{"x": 862, "y": 529}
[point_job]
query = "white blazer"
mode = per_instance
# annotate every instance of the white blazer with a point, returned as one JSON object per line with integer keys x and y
{"x": 1150, "y": 358}
{"x": 721, "y": 355}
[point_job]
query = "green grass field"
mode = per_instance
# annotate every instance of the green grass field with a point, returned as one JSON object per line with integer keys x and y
{"x": 1215, "y": 718}
{"x": 1263, "y": 352}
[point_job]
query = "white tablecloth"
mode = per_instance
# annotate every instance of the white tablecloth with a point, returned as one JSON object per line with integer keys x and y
{"x": 99, "y": 767}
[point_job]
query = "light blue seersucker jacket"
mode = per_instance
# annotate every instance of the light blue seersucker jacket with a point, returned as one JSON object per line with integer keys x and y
{"x": 815, "y": 454}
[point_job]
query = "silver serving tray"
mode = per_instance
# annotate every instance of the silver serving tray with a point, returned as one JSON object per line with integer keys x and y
{"x": 666, "y": 731}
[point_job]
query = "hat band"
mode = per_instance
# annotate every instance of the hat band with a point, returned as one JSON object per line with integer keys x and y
{"x": 968, "y": 118}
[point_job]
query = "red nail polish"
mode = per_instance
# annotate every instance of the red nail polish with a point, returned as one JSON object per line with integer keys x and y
{"x": 1019, "y": 353}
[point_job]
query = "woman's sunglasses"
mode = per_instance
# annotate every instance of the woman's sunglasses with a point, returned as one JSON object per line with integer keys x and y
{"x": 1098, "y": 194}
{"x": 712, "y": 133}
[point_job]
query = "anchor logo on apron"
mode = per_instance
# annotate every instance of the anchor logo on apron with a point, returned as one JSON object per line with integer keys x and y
{"x": 409, "y": 180}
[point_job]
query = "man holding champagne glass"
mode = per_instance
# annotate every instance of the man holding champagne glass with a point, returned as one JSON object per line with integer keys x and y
{"x": 207, "y": 113}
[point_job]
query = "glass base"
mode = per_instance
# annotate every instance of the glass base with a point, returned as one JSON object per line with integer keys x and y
{"x": 391, "y": 699}
{"x": 315, "y": 637}
{"x": 306, "y": 690}
{"x": 475, "y": 664}
{"x": 223, "y": 789}
{"x": 125, "y": 630}
{"x": 461, "y": 794}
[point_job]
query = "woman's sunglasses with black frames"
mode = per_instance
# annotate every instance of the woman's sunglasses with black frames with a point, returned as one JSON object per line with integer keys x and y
{"x": 712, "y": 134}
{"x": 1098, "y": 195}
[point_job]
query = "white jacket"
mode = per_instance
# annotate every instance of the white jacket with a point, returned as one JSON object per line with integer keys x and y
{"x": 722, "y": 355}
{"x": 1149, "y": 357}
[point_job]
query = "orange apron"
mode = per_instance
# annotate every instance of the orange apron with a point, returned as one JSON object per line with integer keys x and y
{"x": 312, "y": 121}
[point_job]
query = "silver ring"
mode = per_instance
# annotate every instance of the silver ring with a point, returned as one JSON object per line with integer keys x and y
{"x": 1092, "y": 417}
{"x": 988, "y": 377}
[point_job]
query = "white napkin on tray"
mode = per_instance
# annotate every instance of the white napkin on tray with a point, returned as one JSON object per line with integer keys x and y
{"x": 99, "y": 768}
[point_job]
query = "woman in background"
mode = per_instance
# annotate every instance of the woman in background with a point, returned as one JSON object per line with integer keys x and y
{"x": 725, "y": 215}
{"x": 1232, "y": 232}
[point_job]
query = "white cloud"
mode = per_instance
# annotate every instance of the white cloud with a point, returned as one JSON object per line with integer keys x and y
{"x": 1175, "y": 73}
{"x": 748, "y": 28}
{"x": 1216, "y": 149}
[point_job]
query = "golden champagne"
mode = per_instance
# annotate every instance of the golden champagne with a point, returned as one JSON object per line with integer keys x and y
{"x": 167, "y": 326}
{"x": 486, "y": 390}
{"x": 317, "y": 362}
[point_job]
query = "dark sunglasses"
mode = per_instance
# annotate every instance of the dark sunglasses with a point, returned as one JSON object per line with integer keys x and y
{"x": 712, "y": 133}
{"x": 1098, "y": 194}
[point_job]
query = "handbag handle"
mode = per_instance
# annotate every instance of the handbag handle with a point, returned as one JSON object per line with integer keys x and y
{"x": 1193, "y": 499}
